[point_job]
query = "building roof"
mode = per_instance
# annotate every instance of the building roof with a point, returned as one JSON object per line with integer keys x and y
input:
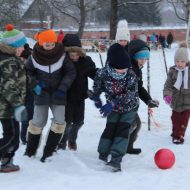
{"x": 25, "y": 6}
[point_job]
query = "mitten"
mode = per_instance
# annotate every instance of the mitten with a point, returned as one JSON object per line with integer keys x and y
{"x": 39, "y": 86}
{"x": 37, "y": 89}
{"x": 95, "y": 98}
{"x": 168, "y": 99}
{"x": 153, "y": 103}
{"x": 106, "y": 109}
{"x": 20, "y": 113}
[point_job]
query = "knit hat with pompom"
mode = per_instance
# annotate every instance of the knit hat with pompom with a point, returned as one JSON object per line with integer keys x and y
{"x": 122, "y": 31}
{"x": 181, "y": 53}
{"x": 13, "y": 37}
{"x": 46, "y": 36}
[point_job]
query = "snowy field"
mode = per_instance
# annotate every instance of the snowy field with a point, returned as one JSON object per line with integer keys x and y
{"x": 82, "y": 170}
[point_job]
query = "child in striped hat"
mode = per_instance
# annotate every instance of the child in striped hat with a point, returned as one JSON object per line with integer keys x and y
{"x": 12, "y": 95}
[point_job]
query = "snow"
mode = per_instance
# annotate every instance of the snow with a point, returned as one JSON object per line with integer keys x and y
{"x": 82, "y": 170}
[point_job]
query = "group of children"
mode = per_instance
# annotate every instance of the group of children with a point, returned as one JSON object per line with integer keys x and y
{"x": 56, "y": 76}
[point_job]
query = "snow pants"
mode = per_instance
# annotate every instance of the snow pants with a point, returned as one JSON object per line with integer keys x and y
{"x": 179, "y": 123}
{"x": 115, "y": 138}
{"x": 74, "y": 117}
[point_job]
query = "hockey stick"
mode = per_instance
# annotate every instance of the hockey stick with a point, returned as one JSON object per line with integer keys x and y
{"x": 151, "y": 115}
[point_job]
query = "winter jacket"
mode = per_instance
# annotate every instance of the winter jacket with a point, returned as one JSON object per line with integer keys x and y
{"x": 122, "y": 91}
{"x": 180, "y": 98}
{"x": 12, "y": 81}
{"x": 134, "y": 47}
{"x": 54, "y": 77}
{"x": 170, "y": 38}
{"x": 85, "y": 68}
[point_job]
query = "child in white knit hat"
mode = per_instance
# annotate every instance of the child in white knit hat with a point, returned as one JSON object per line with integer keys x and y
{"x": 177, "y": 93}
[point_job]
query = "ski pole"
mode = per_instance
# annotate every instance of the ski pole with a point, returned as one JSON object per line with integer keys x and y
{"x": 165, "y": 60}
{"x": 148, "y": 88}
{"x": 98, "y": 51}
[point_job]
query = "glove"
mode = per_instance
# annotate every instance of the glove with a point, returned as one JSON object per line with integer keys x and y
{"x": 153, "y": 103}
{"x": 168, "y": 99}
{"x": 106, "y": 109}
{"x": 38, "y": 88}
{"x": 59, "y": 93}
{"x": 96, "y": 99}
{"x": 20, "y": 113}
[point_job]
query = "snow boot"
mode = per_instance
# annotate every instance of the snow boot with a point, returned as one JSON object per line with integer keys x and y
{"x": 33, "y": 139}
{"x": 72, "y": 145}
{"x": 8, "y": 166}
{"x": 115, "y": 163}
{"x": 53, "y": 140}
{"x": 103, "y": 157}
{"x": 133, "y": 150}
{"x": 179, "y": 140}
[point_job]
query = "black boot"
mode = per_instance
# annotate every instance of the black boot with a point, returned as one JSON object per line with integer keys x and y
{"x": 115, "y": 163}
{"x": 51, "y": 144}
{"x": 32, "y": 144}
{"x": 53, "y": 140}
{"x": 33, "y": 139}
{"x": 133, "y": 150}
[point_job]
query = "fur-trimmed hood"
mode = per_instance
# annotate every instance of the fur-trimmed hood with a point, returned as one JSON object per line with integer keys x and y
{"x": 7, "y": 49}
{"x": 76, "y": 49}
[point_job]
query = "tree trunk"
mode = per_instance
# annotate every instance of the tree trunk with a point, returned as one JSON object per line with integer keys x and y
{"x": 41, "y": 14}
{"x": 113, "y": 19}
{"x": 82, "y": 19}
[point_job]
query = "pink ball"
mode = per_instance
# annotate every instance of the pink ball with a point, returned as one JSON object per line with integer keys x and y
{"x": 164, "y": 158}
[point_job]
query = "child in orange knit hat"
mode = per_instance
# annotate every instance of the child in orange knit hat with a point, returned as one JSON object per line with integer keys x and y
{"x": 51, "y": 74}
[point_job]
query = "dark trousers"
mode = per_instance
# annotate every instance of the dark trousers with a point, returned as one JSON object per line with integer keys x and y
{"x": 10, "y": 141}
{"x": 25, "y": 124}
{"x": 136, "y": 126}
{"x": 115, "y": 138}
{"x": 30, "y": 109}
{"x": 74, "y": 117}
{"x": 179, "y": 123}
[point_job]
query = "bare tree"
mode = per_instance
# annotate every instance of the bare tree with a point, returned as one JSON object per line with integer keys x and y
{"x": 114, "y": 8}
{"x": 181, "y": 8}
{"x": 9, "y": 12}
{"x": 75, "y": 9}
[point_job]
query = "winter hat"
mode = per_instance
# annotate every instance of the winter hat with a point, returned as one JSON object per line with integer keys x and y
{"x": 122, "y": 31}
{"x": 119, "y": 58}
{"x": 181, "y": 54}
{"x": 144, "y": 53}
{"x": 72, "y": 43}
{"x": 13, "y": 37}
{"x": 46, "y": 36}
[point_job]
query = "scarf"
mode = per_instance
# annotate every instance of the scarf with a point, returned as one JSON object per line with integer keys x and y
{"x": 112, "y": 72}
{"x": 182, "y": 78}
{"x": 47, "y": 57}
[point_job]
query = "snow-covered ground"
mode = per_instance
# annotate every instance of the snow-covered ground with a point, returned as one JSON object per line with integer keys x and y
{"x": 82, "y": 170}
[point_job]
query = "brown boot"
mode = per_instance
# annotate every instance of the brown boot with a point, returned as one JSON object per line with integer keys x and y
{"x": 72, "y": 145}
{"x": 8, "y": 166}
